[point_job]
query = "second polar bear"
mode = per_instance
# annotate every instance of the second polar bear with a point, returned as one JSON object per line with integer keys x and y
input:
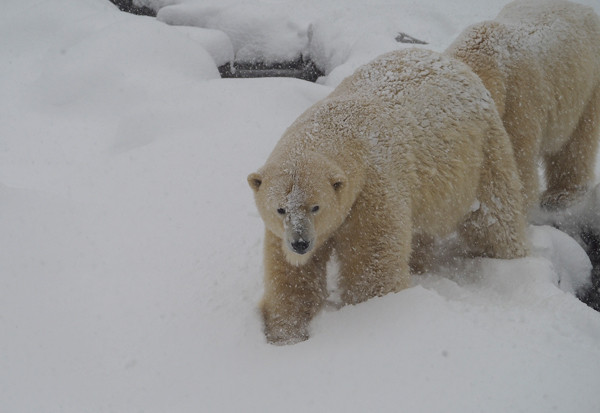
{"x": 540, "y": 60}
{"x": 408, "y": 148}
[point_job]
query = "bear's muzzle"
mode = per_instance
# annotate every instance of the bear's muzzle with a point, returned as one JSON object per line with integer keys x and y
{"x": 301, "y": 246}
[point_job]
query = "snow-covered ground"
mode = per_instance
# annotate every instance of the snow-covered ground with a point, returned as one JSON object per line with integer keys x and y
{"x": 130, "y": 254}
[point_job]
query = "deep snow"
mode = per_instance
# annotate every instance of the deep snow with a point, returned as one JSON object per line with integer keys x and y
{"x": 130, "y": 255}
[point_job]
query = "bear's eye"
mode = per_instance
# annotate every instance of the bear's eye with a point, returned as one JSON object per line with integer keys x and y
{"x": 281, "y": 211}
{"x": 315, "y": 209}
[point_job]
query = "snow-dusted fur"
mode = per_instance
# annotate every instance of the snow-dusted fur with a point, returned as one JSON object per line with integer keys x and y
{"x": 541, "y": 62}
{"x": 408, "y": 148}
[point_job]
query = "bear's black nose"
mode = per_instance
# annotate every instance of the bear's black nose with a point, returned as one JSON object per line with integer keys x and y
{"x": 300, "y": 246}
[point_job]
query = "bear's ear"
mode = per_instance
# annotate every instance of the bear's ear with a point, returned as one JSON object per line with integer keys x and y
{"x": 338, "y": 182}
{"x": 254, "y": 180}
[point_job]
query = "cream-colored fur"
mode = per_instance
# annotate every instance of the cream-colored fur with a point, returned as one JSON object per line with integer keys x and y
{"x": 541, "y": 62}
{"x": 408, "y": 148}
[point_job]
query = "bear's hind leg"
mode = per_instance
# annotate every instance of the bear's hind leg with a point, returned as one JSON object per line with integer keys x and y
{"x": 571, "y": 170}
{"x": 496, "y": 225}
{"x": 422, "y": 253}
{"x": 525, "y": 136}
{"x": 293, "y": 294}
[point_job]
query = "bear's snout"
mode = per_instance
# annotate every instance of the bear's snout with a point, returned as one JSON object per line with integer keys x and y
{"x": 300, "y": 234}
{"x": 301, "y": 246}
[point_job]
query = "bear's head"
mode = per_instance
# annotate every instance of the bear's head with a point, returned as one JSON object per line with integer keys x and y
{"x": 302, "y": 200}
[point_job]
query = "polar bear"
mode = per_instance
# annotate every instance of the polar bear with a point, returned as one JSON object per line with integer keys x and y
{"x": 407, "y": 148}
{"x": 540, "y": 60}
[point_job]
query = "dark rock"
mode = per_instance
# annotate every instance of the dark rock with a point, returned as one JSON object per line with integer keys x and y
{"x": 591, "y": 296}
{"x": 129, "y": 7}
{"x": 301, "y": 68}
{"x": 405, "y": 38}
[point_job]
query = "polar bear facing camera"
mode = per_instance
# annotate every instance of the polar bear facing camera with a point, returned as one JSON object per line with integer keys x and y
{"x": 540, "y": 61}
{"x": 408, "y": 148}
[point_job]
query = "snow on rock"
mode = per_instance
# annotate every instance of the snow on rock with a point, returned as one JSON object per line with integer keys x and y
{"x": 342, "y": 40}
{"x": 571, "y": 264}
{"x": 155, "y": 4}
{"x": 215, "y": 42}
{"x": 338, "y": 51}
{"x": 338, "y": 36}
{"x": 257, "y": 33}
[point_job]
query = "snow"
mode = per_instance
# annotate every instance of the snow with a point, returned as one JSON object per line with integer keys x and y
{"x": 337, "y": 36}
{"x": 130, "y": 255}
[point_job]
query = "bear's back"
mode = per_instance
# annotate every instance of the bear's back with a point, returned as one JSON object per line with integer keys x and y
{"x": 412, "y": 98}
{"x": 414, "y": 78}
{"x": 537, "y": 57}
{"x": 419, "y": 86}
{"x": 545, "y": 27}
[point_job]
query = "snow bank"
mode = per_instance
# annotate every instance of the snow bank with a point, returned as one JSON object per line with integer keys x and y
{"x": 258, "y": 34}
{"x": 130, "y": 254}
{"x": 338, "y": 36}
{"x": 215, "y": 42}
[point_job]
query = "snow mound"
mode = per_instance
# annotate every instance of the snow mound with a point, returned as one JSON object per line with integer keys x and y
{"x": 337, "y": 37}
{"x": 557, "y": 265}
{"x": 215, "y": 42}
{"x": 93, "y": 68}
{"x": 570, "y": 262}
{"x": 257, "y": 33}
{"x": 478, "y": 331}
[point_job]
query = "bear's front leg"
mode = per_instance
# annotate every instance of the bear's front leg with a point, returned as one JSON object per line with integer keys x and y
{"x": 374, "y": 248}
{"x": 293, "y": 294}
